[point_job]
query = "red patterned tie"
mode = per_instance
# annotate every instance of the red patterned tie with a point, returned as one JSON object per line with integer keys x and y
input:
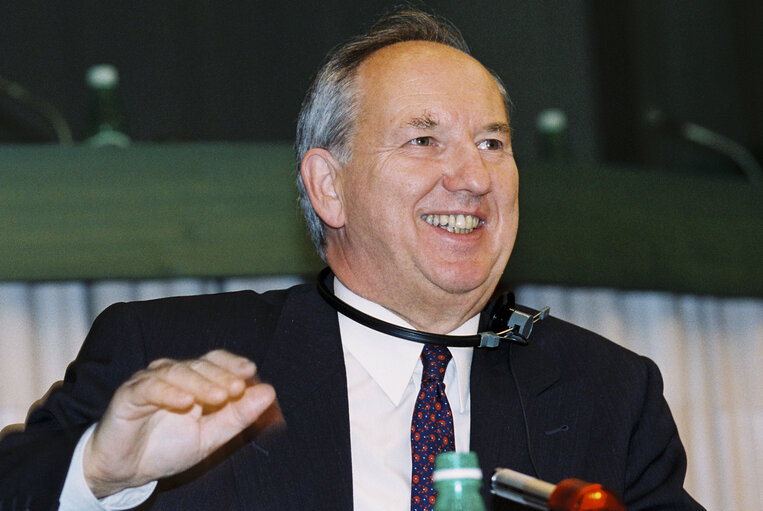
{"x": 431, "y": 427}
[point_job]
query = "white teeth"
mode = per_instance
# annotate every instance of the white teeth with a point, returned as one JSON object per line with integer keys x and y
{"x": 459, "y": 224}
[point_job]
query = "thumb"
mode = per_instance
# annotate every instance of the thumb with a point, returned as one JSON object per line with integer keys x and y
{"x": 219, "y": 426}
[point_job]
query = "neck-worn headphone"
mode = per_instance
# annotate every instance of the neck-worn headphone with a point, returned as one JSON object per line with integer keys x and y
{"x": 502, "y": 320}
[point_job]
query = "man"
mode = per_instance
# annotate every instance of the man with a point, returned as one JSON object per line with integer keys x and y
{"x": 409, "y": 184}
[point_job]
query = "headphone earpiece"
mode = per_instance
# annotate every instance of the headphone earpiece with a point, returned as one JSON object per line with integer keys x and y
{"x": 496, "y": 314}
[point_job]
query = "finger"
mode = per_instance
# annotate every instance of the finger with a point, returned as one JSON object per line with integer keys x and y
{"x": 256, "y": 399}
{"x": 240, "y": 366}
{"x": 159, "y": 363}
{"x": 210, "y": 380}
{"x": 219, "y": 375}
{"x": 223, "y": 425}
{"x": 145, "y": 394}
{"x": 208, "y": 384}
{"x": 219, "y": 366}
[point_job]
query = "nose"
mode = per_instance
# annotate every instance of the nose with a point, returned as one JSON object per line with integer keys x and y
{"x": 467, "y": 171}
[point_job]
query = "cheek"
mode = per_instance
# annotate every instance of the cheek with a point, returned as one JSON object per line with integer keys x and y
{"x": 508, "y": 188}
{"x": 390, "y": 188}
{"x": 508, "y": 203}
{"x": 398, "y": 190}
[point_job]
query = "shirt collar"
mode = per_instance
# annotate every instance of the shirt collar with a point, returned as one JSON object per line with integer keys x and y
{"x": 389, "y": 360}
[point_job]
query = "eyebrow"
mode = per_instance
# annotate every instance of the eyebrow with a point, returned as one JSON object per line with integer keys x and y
{"x": 498, "y": 127}
{"x": 423, "y": 122}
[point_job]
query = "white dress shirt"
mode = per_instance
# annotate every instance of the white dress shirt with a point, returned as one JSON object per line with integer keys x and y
{"x": 383, "y": 380}
{"x": 76, "y": 494}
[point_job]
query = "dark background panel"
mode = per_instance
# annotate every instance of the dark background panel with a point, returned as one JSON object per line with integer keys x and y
{"x": 237, "y": 70}
{"x": 212, "y": 91}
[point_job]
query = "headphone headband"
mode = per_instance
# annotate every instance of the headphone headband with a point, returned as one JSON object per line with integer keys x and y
{"x": 502, "y": 318}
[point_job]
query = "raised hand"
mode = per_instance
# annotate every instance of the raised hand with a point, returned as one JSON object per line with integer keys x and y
{"x": 170, "y": 416}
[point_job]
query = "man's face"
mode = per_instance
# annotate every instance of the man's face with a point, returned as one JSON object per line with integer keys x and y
{"x": 430, "y": 191}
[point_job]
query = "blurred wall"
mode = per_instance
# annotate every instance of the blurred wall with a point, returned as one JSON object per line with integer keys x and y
{"x": 238, "y": 70}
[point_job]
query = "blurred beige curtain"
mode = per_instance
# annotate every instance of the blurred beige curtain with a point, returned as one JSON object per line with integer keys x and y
{"x": 710, "y": 351}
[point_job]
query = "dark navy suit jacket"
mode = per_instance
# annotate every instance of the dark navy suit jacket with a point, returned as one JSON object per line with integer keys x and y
{"x": 581, "y": 407}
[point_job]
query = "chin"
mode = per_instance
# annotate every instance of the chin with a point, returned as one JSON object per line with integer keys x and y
{"x": 461, "y": 279}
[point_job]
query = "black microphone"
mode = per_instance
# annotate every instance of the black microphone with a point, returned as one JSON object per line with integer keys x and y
{"x": 567, "y": 495}
{"x": 739, "y": 154}
{"x": 51, "y": 114}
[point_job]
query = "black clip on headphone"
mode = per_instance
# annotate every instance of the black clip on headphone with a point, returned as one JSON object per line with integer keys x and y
{"x": 502, "y": 320}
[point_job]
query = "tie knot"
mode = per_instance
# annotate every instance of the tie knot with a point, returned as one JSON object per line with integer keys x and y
{"x": 435, "y": 359}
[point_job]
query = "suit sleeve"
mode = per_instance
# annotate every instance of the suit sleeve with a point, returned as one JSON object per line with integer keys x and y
{"x": 34, "y": 462}
{"x": 656, "y": 458}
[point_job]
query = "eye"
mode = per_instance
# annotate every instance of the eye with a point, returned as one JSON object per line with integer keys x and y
{"x": 491, "y": 144}
{"x": 421, "y": 141}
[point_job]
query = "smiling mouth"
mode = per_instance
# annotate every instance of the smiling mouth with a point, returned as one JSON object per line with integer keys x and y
{"x": 458, "y": 224}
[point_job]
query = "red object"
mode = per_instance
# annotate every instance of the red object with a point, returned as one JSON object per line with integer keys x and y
{"x": 577, "y": 495}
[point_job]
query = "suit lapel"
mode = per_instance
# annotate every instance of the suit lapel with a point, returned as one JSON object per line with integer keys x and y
{"x": 498, "y": 433}
{"x": 310, "y": 460}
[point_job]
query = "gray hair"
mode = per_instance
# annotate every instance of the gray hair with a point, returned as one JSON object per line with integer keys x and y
{"x": 329, "y": 110}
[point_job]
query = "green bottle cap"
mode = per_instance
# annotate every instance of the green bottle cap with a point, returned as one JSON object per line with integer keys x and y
{"x": 102, "y": 76}
{"x": 456, "y": 465}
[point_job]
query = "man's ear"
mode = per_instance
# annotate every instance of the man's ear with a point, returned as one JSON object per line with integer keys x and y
{"x": 319, "y": 174}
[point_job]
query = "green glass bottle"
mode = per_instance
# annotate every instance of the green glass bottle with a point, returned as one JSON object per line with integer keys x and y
{"x": 551, "y": 130}
{"x": 457, "y": 478}
{"x": 107, "y": 120}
